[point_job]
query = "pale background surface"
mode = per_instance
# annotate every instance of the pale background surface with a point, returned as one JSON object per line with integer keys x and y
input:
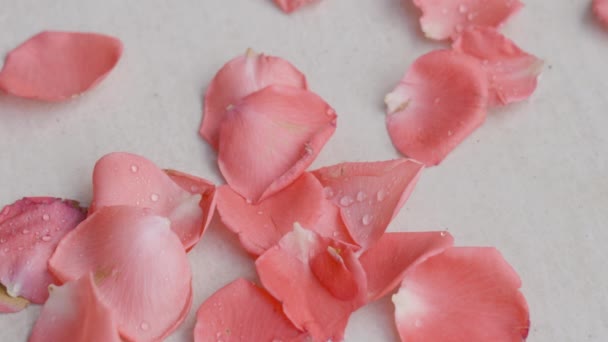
{"x": 533, "y": 181}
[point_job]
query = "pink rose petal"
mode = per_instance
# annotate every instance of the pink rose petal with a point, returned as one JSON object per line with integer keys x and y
{"x": 240, "y": 77}
{"x": 56, "y": 66}
{"x": 30, "y": 230}
{"x": 10, "y": 304}
{"x": 288, "y": 6}
{"x": 271, "y": 137}
{"x": 600, "y": 8}
{"x": 439, "y": 102}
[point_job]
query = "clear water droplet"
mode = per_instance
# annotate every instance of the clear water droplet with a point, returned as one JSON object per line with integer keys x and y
{"x": 381, "y": 195}
{"x": 331, "y": 111}
{"x": 328, "y": 192}
{"x": 462, "y": 8}
{"x": 361, "y": 196}
{"x": 46, "y": 217}
{"x": 249, "y": 201}
{"x": 144, "y": 326}
{"x": 260, "y": 212}
{"x": 154, "y": 197}
{"x": 6, "y": 249}
{"x": 444, "y": 233}
{"x": 25, "y": 232}
{"x": 134, "y": 168}
{"x": 335, "y": 234}
{"x": 366, "y": 220}
{"x": 346, "y": 201}
{"x": 46, "y": 238}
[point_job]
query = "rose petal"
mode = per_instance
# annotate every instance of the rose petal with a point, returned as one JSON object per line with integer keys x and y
{"x": 30, "y": 230}
{"x": 75, "y": 313}
{"x": 139, "y": 265}
{"x": 369, "y": 194}
{"x": 440, "y": 101}
{"x": 512, "y": 73}
{"x": 128, "y": 179}
{"x": 298, "y": 273}
{"x": 240, "y": 77}
{"x": 463, "y": 294}
{"x": 600, "y": 8}
{"x": 9, "y": 304}
{"x": 55, "y": 66}
{"x": 442, "y": 19}
{"x": 271, "y": 137}
{"x": 289, "y": 6}
{"x": 387, "y": 261}
{"x": 243, "y": 310}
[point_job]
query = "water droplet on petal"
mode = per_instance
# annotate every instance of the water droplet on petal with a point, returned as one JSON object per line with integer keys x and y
{"x": 381, "y": 195}
{"x": 46, "y": 217}
{"x": 25, "y": 232}
{"x": 361, "y": 196}
{"x": 134, "y": 168}
{"x": 144, "y": 326}
{"x": 328, "y": 192}
{"x": 260, "y": 212}
{"x": 444, "y": 233}
{"x": 154, "y": 197}
{"x": 2, "y": 240}
{"x": 46, "y": 238}
{"x": 346, "y": 201}
{"x": 462, "y": 8}
{"x": 366, "y": 220}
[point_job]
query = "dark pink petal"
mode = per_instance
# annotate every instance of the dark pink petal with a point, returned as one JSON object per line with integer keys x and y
{"x": 297, "y": 272}
{"x": 241, "y": 311}
{"x": 10, "y": 304}
{"x": 56, "y": 66}
{"x": 439, "y": 102}
{"x": 512, "y": 73}
{"x": 139, "y": 265}
{"x": 369, "y": 194}
{"x": 289, "y": 6}
{"x": 239, "y": 78}
{"x": 387, "y": 261}
{"x": 600, "y": 8}
{"x": 128, "y": 179}
{"x": 442, "y": 19}
{"x": 75, "y": 313}
{"x": 271, "y": 137}
{"x": 30, "y": 230}
{"x": 463, "y": 294}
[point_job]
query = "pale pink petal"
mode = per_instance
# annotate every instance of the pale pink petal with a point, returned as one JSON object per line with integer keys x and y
{"x": 387, "y": 261}
{"x": 30, "y": 230}
{"x": 56, "y": 66}
{"x": 139, "y": 265}
{"x": 600, "y": 8}
{"x": 271, "y": 137}
{"x": 289, "y": 6}
{"x": 239, "y": 78}
{"x": 442, "y": 19}
{"x": 128, "y": 179}
{"x": 439, "y": 102}
{"x": 10, "y": 304}
{"x": 313, "y": 277}
{"x": 75, "y": 313}
{"x": 369, "y": 194}
{"x": 242, "y": 311}
{"x": 463, "y": 294}
{"x": 512, "y": 73}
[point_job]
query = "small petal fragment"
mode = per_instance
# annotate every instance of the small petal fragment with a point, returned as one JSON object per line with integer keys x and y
{"x": 463, "y": 294}
{"x": 387, "y": 261}
{"x": 139, "y": 265}
{"x": 369, "y": 194}
{"x": 56, "y": 66}
{"x": 512, "y": 73}
{"x": 240, "y": 77}
{"x": 271, "y": 137}
{"x": 443, "y": 19}
{"x": 600, "y": 8}
{"x": 306, "y": 270}
{"x": 243, "y": 310}
{"x": 128, "y": 179}
{"x": 75, "y": 313}
{"x": 30, "y": 230}
{"x": 9, "y": 304}
{"x": 440, "y": 101}
{"x": 289, "y": 6}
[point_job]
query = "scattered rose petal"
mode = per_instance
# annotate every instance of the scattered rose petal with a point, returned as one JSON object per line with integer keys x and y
{"x": 387, "y": 261}
{"x": 75, "y": 313}
{"x": 330, "y": 224}
{"x": 600, "y": 8}
{"x": 139, "y": 265}
{"x": 241, "y": 309}
{"x": 240, "y": 77}
{"x": 128, "y": 179}
{"x": 56, "y": 66}
{"x": 313, "y": 277}
{"x": 9, "y": 304}
{"x": 463, "y": 294}
{"x": 30, "y": 229}
{"x": 442, "y": 19}
{"x": 271, "y": 137}
{"x": 512, "y": 73}
{"x": 289, "y": 6}
{"x": 439, "y": 102}
{"x": 369, "y": 194}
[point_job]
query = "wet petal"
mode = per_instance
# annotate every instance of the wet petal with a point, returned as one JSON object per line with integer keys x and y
{"x": 271, "y": 137}
{"x": 369, "y": 194}
{"x": 289, "y": 6}
{"x": 75, "y": 312}
{"x": 442, "y": 19}
{"x": 512, "y": 73}
{"x": 600, "y": 8}
{"x": 55, "y": 66}
{"x": 128, "y": 179}
{"x": 241, "y": 309}
{"x": 440, "y": 101}
{"x": 139, "y": 265}
{"x": 299, "y": 273}
{"x": 9, "y": 304}
{"x": 240, "y": 77}
{"x": 387, "y": 261}
{"x": 30, "y": 230}
{"x": 463, "y": 294}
